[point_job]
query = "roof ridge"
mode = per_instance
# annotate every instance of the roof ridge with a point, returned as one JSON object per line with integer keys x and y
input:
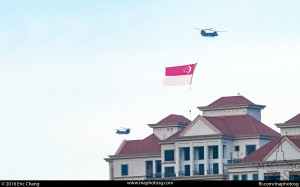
{"x": 228, "y": 129}
{"x": 238, "y": 124}
{"x": 252, "y": 124}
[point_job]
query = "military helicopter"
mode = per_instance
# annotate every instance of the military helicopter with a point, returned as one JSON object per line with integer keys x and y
{"x": 209, "y": 34}
{"x": 123, "y": 130}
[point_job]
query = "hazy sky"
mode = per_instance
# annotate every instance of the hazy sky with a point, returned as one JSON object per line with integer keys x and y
{"x": 71, "y": 71}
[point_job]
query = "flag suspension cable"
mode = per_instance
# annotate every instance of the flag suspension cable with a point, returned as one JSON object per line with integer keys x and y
{"x": 203, "y": 48}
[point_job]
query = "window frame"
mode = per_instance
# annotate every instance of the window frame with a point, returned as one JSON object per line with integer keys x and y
{"x": 201, "y": 156}
{"x": 169, "y": 158}
{"x": 215, "y": 172}
{"x": 248, "y": 146}
{"x": 243, "y": 177}
{"x": 236, "y": 148}
{"x": 234, "y": 177}
{"x": 215, "y": 150}
{"x": 126, "y": 171}
{"x": 169, "y": 174}
{"x": 256, "y": 178}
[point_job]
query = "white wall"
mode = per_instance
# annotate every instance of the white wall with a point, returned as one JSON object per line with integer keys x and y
{"x": 285, "y": 151}
{"x": 242, "y": 144}
{"x": 200, "y": 128}
{"x": 263, "y": 142}
{"x": 165, "y": 132}
{"x": 256, "y": 113}
{"x": 282, "y": 168}
{"x": 290, "y": 131}
{"x": 228, "y": 150}
{"x": 171, "y": 163}
{"x": 225, "y": 112}
{"x": 136, "y": 167}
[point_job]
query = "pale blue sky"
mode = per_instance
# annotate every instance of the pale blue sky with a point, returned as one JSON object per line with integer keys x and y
{"x": 72, "y": 71}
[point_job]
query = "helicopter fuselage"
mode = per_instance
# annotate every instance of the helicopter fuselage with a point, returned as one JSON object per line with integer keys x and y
{"x": 209, "y": 34}
{"x": 127, "y": 131}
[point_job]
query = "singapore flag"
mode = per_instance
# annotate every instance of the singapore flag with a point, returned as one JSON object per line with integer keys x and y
{"x": 179, "y": 75}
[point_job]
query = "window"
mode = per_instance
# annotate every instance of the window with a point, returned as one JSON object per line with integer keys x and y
{"x": 169, "y": 155}
{"x": 186, "y": 151}
{"x": 272, "y": 176}
{"x": 158, "y": 169}
{"x": 215, "y": 152}
{"x": 187, "y": 170}
{"x": 149, "y": 169}
{"x": 236, "y": 148}
{"x": 201, "y": 169}
{"x": 124, "y": 168}
{"x": 294, "y": 175}
{"x": 215, "y": 168}
{"x": 201, "y": 153}
{"x": 244, "y": 177}
{"x": 250, "y": 149}
{"x": 169, "y": 172}
{"x": 255, "y": 176}
{"x": 158, "y": 166}
{"x": 235, "y": 177}
{"x": 224, "y": 151}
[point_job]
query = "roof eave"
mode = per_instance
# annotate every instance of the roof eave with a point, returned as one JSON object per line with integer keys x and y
{"x": 198, "y": 137}
{"x": 254, "y": 136}
{"x": 167, "y": 125}
{"x": 129, "y": 156}
{"x": 287, "y": 124}
{"x": 253, "y": 106}
{"x": 257, "y": 163}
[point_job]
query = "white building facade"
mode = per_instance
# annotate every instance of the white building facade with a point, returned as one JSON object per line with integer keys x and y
{"x": 277, "y": 160}
{"x": 228, "y": 131}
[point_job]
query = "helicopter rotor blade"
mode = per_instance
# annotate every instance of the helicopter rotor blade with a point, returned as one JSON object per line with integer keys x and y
{"x": 221, "y": 31}
{"x": 210, "y": 29}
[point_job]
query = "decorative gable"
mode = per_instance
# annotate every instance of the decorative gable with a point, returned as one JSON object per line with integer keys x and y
{"x": 285, "y": 150}
{"x": 199, "y": 126}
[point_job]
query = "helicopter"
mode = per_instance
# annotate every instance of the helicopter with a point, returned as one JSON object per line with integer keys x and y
{"x": 209, "y": 34}
{"x": 123, "y": 130}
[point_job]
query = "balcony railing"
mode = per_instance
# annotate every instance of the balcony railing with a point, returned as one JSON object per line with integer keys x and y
{"x": 170, "y": 175}
{"x": 233, "y": 161}
{"x": 153, "y": 175}
{"x": 182, "y": 173}
{"x": 196, "y": 172}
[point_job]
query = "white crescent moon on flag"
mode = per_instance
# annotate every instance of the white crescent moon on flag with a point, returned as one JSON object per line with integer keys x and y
{"x": 190, "y": 69}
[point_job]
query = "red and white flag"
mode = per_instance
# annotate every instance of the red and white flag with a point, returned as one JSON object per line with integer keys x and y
{"x": 179, "y": 75}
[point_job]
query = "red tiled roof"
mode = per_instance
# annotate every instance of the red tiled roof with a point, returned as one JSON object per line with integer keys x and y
{"x": 149, "y": 145}
{"x": 230, "y": 101}
{"x": 295, "y": 139}
{"x": 263, "y": 151}
{"x": 173, "y": 119}
{"x": 295, "y": 119}
{"x": 240, "y": 125}
{"x": 176, "y": 135}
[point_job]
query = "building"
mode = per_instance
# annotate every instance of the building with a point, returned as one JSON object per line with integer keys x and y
{"x": 141, "y": 159}
{"x": 277, "y": 160}
{"x": 228, "y": 131}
